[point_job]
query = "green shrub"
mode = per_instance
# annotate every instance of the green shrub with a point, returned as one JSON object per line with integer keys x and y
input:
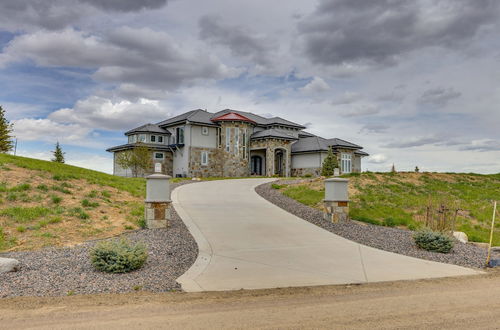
{"x": 118, "y": 256}
{"x": 105, "y": 194}
{"x": 277, "y": 186}
{"x": 308, "y": 175}
{"x": 56, "y": 199}
{"x": 21, "y": 229}
{"x": 433, "y": 241}
{"x": 42, "y": 187}
{"x": 87, "y": 203}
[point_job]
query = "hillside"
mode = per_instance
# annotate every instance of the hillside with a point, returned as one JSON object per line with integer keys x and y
{"x": 400, "y": 199}
{"x": 49, "y": 204}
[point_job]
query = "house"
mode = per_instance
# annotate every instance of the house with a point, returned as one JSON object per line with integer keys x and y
{"x": 232, "y": 143}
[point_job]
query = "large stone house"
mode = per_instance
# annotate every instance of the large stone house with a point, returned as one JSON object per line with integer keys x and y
{"x": 233, "y": 143}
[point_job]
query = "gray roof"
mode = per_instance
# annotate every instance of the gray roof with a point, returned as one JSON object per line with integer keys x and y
{"x": 196, "y": 116}
{"x": 272, "y": 133}
{"x": 316, "y": 143}
{"x": 148, "y": 128}
{"x": 261, "y": 121}
{"x": 305, "y": 134}
{"x": 127, "y": 146}
{"x": 361, "y": 153}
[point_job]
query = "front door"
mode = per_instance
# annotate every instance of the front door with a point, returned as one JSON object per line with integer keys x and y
{"x": 256, "y": 164}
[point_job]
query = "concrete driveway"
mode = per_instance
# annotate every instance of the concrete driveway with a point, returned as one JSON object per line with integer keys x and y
{"x": 246, "y": 242}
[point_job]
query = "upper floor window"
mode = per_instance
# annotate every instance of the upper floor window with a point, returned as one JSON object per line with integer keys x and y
{"x": 204, "y": 130}
{"x": 228, "y": 139}
{"x": 180, "y": 135}
{"x": 346, "y": 163}
{"x": 160, "y": 139}
{"x": 244, "y": 143}
{"x": 141, "y": 138}
{"x": 236, "y": 140}
{"x": 153, "y": 138}
{"x": 132, "y": 138}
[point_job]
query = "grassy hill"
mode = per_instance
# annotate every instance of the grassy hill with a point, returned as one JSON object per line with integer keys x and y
{"x": 49, "y": 204}
{"x": 400, "y": 199}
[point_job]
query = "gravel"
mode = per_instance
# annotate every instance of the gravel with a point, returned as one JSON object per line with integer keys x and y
{"x": 67, "y": 271}
{"x": 384, "y": 238}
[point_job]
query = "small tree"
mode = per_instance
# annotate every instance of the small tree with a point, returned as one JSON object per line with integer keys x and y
{"x": 417, "y": 169}
{"x": 6, "y": 144}
{"x": 393, "y": 169}
{"x": 329, "y": 164}
{"x": 58, "y": 154}
{"x": 138, "y": 159}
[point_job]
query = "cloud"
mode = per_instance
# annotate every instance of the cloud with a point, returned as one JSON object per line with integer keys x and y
{"x": 378, "y": 32}
{"x": 414, "y": 142}
{"x": 134, "y": 56}
{"x": 242, "y": 42}
{"x": 377, "y": 159}
{"x": 438, "y": 97}
{"x": 315, "y": 86}
{"x": 374, "y": 128}
{"x": 101, "y": 113}
{"x": 347, "y": 98}
{"x": 482, "y": 145}
{"x": 358, "y": 109}
{"x": 29, "y": 129}
{"x": 59, "y": 14}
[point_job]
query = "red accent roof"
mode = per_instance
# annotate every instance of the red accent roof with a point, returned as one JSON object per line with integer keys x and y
{"x": 232, "y": 116}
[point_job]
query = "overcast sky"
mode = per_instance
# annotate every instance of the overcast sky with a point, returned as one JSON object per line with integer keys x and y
{"x": 414, "y": 82}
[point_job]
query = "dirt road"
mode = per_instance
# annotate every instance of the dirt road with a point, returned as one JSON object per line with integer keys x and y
{"x": 467, "y": 302}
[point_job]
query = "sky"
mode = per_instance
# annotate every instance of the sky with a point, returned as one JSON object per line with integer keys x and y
{"x": 415, "y": 82}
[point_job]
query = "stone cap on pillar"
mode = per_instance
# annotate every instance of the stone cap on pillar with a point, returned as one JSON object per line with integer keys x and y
{"x": 336, "y": 190}
{"x": 158, "y": 188}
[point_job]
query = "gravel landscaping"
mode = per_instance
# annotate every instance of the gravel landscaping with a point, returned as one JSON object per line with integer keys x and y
{"x": 67, "y": 271}
{"x": 384, "y": 238}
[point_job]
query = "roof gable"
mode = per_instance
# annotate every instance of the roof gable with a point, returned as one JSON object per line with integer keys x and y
{"x": 232, "y": 116}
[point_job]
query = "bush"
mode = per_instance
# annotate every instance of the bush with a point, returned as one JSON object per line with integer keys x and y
{"x": 433, "y": 241}
{"x": 118, "y": 256}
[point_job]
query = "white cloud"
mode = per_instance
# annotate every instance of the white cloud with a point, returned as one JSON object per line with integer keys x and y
{"x": 29, "y": 129}
{"x": 377, "y": 159}
{"x": 316, "y": 85}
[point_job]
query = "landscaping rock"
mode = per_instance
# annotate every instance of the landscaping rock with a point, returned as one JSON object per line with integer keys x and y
{"x": 461, "y": 236}
{"x": 8, "y": 265}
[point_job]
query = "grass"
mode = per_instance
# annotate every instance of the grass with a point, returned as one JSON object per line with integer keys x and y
{"x": 62, "y": 172}
{"x": 25, "y": 214}
{"x": 400, "y": 199}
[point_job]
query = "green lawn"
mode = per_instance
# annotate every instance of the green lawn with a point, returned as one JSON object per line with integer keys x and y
{"x": 398, "y": 199}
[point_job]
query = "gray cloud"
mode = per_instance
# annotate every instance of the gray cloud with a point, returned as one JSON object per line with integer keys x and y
{"x": 134, "y": 56}
{"x": 414, "y": 143}
{"x": 438, "y": 97}
{"x": 374, "y": 128}
{"x": 241, "y": 41}
{"x": 482, "y": 145}
{"x": 58, "y": 14}
{"x": 377, "y": 32}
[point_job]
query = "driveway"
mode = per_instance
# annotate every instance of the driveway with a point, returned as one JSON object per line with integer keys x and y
{"x": 246, "y": 242}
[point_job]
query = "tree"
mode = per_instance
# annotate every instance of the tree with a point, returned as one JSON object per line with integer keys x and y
{"x": 6, "y": 143}
{"x": 393, "y": 169}
{"x": 58, "y": 154}
{"x": 138, "y": 159}
{"x": 329, "y": 164}
{"x": 417, "y": 169}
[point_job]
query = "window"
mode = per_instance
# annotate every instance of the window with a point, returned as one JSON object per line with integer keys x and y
{"x": 228, "y": 139}
{"x": 132, "y": 138}
{"x": 160, "y": 139}
{"x": 180, "y": 135}
{"x": 204, "y": 130}
{"x": 236, "y": 140}
{"x": 345, "y": 163}
{"x": 142, "y": 138}
{"x": 244, "y": 143}
{"x": 159, "y": 155}
{"x": 204, "y": 158}
{"x": 153, "y": 138}
{"x": 219, "y": 138}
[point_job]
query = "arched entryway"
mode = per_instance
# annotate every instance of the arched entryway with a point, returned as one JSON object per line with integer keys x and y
{"x": 280, "y": 162}
{"x": 256, "y": 165}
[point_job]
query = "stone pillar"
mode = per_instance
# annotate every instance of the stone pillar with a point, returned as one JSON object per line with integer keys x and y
{"x": 157, "y": 204}
{"x": 336, "y": 202}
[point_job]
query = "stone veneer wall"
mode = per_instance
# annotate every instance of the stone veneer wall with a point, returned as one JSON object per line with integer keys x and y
{"x": 270, "y": 145}
{"x": 214, "y": 166}
{"x": 235, "y": 164}
{"x": 312, "y": 171}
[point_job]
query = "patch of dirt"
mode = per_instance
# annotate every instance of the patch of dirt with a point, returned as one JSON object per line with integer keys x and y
{"x": 66, "y": 227}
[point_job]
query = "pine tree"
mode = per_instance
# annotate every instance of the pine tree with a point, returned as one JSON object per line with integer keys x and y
{"x": 417, "y": 169}
{"x": 393, "y": 169}
{"x": 329, "y": 164}
{"x": 58, "y": 154}
{"x": 6, "y": 143}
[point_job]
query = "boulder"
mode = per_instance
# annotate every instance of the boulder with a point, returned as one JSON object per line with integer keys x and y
{"x": 461, "y": 236}
{"x": 8, "y": 265}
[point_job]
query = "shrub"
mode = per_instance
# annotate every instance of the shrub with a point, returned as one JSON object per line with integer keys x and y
{"x": 56, "y": 199}
{"x": 118, "y": 256}
{"x": 433, "y": 241}
{"x": 277, "y": 186}
{"x": 87, "y": 203}
{"x": 42, "y": 187}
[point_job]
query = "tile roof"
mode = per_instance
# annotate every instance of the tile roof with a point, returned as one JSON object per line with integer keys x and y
{"x": 316, "y": 143}
{"x": 232, "y": 116}
{"x": 148, "y": 128}
{"x": 272, "y": 133}
{"x": 261, "y": 121}
{"x": 196, "y": 116}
